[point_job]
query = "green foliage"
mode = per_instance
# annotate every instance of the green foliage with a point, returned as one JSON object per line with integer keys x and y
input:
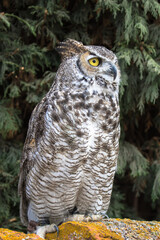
{"x": 9, "y": 169}
{"x": 117, "y": 207}
{"x": 156, "y": 184}
{"x": 9, "y": 119}
{"x": 131, "y": 158}
{"x": 29, "y": 32}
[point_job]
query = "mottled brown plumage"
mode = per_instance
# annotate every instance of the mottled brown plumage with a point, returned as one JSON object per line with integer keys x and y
{"x": 71, "y": 149}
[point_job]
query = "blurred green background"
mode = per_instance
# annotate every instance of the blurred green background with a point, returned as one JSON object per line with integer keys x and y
{"x": 29, "y": 32}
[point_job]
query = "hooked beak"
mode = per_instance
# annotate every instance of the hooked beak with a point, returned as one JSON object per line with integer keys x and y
{"x": 112, "y": 71}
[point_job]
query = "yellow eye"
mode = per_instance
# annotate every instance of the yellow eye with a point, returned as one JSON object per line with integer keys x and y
{"x": 94, "y": 62}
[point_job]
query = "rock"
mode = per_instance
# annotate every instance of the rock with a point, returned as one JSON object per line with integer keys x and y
{"x": 115, "y": 229}
{"x": 6, "y": 234}
{"x": 133, "y": 229}
{"x": 83, "y": 231}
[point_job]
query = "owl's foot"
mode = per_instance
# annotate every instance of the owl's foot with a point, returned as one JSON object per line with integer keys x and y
{"x": 85, "y": 218}
{"x": 42, "y": 230}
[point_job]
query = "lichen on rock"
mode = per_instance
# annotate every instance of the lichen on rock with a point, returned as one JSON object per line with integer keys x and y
{"x": 133, "y": 229}
{"x": 115, "y": 229}
{"x": 83, "y": 230}
{"x": 6, "y": 234}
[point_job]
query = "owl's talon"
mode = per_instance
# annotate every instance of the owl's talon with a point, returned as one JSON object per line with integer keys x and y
{"x": 88, "y": 217}
{"x": 57, "y": 229}
{"x": 105, "y": 216}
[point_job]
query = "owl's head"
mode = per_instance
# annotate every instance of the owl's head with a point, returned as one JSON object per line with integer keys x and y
{"x": 90, "y": 61}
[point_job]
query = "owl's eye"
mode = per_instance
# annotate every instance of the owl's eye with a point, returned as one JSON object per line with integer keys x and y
{"x": 94, "y": 62}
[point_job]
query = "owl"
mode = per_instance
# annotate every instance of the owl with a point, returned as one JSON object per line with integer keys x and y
{"x": 70, "y": 153}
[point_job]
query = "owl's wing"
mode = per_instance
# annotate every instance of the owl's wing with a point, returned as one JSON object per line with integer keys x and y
{"x": 27, "y": 162}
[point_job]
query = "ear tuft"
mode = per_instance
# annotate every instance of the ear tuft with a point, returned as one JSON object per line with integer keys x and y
{"x": 70, "y": 48}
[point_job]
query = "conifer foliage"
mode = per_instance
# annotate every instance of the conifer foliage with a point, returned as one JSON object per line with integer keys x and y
{"x": 29, "y": 32}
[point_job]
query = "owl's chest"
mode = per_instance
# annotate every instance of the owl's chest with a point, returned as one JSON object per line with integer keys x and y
{"x": 94, "y": 112}
{"x": 87, "y": 121}
{"x": 81, "y": 140}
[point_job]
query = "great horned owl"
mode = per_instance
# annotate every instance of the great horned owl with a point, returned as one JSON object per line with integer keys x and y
{"x": 71, "y": 149}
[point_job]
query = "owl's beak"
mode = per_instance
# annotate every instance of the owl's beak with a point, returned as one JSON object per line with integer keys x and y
{"x": 112, "y": 71}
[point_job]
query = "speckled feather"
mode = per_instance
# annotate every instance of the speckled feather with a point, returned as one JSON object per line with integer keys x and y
{"x": 70, "y": 153}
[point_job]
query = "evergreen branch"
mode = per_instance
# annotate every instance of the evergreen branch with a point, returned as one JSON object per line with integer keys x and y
{"x": 103, "y": 5}
{"x": 4, "y": 19}
{"x": 156, "y": 184}
{"x": 30, "y": 27}
{"x": 130, "y": 157}
{"x": 151, "y": 6}
{"x": 9, "y": 120}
